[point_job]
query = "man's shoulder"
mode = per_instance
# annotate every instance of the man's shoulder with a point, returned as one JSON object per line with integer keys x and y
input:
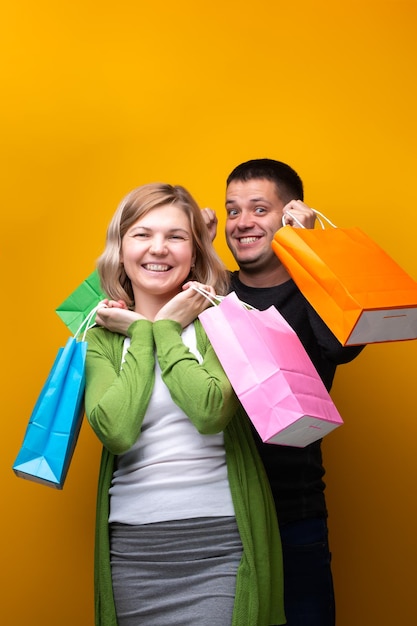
{"x": 263, "y": 297}
{"x": 286, "y": 287}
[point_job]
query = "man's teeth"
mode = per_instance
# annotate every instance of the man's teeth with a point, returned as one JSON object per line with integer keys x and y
{"x": 154, "y": 267}
{"x": 248, "y": 239}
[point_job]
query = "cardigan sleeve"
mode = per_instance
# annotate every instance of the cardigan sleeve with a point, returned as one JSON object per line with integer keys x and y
{"x": 202, "y": 391}
{"x": 117, "y": 395}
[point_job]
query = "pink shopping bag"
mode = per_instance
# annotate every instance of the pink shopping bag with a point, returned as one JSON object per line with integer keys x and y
{"x": 271, "y": 373}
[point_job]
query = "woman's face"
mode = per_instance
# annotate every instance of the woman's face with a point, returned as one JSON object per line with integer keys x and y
{"x": 157, "y": 252}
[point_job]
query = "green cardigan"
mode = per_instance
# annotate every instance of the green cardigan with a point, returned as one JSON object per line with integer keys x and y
{"x": 116, "y": 401}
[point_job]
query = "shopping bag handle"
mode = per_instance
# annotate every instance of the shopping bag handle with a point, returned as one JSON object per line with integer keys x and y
{"x": 87, "y": 322}
{"x": 216, "y": 299}
{"x": 320, "y": 217}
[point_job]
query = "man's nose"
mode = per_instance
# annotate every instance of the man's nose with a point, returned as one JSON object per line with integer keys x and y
{"x": 245, "y": 221}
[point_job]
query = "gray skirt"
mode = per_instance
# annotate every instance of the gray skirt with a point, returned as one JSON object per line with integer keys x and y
{"x": 179, "y": 573}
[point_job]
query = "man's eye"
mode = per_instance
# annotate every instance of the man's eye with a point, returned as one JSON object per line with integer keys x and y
{"x": 232, "y": 212}
{"x": 260, "y": 209}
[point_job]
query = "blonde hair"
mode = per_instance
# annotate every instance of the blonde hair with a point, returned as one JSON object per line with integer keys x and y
{"x": 207, "y": 269}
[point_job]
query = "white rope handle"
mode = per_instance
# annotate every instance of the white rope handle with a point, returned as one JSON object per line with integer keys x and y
{"x": 87, "y": 321}
{"x": 320, "y": 217}
{"x": 215, "y": 300}
{"x": 324, "y": 218}
{"x": 320, "y": 221}
{"x": 297, "y": 221}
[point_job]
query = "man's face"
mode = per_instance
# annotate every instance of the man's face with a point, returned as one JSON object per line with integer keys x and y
{"x": 254, "y": 214}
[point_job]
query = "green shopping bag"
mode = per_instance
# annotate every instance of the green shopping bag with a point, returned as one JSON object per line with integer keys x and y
{"x": 74, "y": 310}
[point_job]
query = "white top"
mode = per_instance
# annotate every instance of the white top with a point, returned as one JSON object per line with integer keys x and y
{"x": 172, "y": 472}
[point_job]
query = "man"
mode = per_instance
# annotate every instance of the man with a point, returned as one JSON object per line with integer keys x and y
{"x": 259, "y": 194}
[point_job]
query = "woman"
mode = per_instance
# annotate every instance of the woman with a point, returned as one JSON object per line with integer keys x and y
{"x": 186, "y": 531}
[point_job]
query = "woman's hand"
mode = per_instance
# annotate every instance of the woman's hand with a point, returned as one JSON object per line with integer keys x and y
{"x": 115, "y": 316}
{"x": 186, "y": 306}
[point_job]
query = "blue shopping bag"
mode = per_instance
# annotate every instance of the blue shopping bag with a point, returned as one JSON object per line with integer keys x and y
{"x": 55, "y": 422}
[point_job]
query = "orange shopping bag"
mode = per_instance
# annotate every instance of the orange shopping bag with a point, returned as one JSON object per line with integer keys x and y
{"x": 358, "y": 290}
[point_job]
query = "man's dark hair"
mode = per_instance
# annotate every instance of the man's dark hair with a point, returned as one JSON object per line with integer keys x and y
{"x": 289, "y": 185}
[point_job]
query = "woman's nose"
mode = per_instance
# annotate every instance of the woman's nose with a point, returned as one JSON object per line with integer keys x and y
{"x": 158, "y": 246}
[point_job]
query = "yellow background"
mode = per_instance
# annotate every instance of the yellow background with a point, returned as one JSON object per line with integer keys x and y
{"x": 99, "y": 97}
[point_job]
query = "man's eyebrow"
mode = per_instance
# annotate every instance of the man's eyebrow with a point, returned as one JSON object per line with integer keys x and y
{"x": 251, "y": 200}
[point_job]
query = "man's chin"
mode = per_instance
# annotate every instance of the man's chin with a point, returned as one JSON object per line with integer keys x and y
{"x": 249, "y": 265}
{"x": 246, "y": 255}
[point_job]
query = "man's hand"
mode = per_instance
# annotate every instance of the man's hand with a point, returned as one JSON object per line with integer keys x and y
{"x": 297, "y": 214}
{"x": 210, "y": 219}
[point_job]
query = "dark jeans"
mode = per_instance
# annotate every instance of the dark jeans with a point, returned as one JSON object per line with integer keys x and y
{"x": 308, "y": 583}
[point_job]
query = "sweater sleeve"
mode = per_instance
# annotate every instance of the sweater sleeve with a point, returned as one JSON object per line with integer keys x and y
{"x": 330, "y": 346}
{"x": 202, "y": 391}
{"x": 117, "y": 395}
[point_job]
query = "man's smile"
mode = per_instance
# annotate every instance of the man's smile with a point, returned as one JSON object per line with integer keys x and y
{"x": 248, "y": 239}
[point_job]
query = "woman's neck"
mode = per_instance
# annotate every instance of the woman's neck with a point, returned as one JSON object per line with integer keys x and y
{"x": 149, "y": 305}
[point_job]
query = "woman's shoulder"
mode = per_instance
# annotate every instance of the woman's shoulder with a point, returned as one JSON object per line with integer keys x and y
{"x": 99, "y": 335}
{"x": 106, "y": 343}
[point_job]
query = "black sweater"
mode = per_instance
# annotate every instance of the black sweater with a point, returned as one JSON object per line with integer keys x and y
{"x": 296, "y": 474}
